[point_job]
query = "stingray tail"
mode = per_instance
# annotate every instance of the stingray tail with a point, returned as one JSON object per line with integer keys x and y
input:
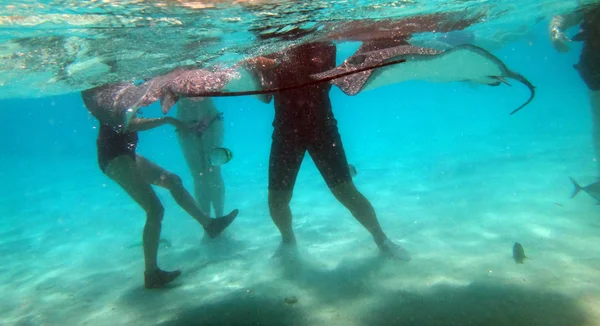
{"x": 577, "y": 188}
{"x": 524, "y": 81}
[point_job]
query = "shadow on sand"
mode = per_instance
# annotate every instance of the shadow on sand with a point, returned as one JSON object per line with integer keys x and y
{"x": 349, "y": 289}
{"x": 481, "y": 303}
{"x": 262, "y": 306}
{"x": 475, "y": 305}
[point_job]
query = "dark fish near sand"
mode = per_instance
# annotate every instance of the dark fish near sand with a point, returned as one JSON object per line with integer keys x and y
{"x": 464, "y": 63}
{"x": 591, "y": 189}
{"x": 519, "y": 253}
{"x": 220, "y": 156}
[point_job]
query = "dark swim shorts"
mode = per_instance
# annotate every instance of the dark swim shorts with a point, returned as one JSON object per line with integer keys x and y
{"x": 325, "y": 148}
{"x": 112, "y": 144}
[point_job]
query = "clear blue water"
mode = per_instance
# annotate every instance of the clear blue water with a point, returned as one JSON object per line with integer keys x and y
{"x": 452, "y": 176}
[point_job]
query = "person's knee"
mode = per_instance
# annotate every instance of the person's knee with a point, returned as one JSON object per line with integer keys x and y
{"x": 347, "y": 194}
{"x": 155, "y": 214}
{"x": 172, "y": 181}
{"x": 279, "y": 198}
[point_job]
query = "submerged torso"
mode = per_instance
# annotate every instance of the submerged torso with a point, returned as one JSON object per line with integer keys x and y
{"x": 308, "y": 107}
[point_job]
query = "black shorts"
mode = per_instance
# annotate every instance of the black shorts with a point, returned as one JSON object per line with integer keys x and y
{"x": 112, "y": 144}
{"x": 589, "y": 65}
{"x": 325, "y": 148}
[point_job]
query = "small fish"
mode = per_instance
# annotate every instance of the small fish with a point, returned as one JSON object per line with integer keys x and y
{"x": 220, "y": 156}
{"x": 353, "y": 171}
{"x": 518, "y": 253}
{"x": 291, "y": 300}
{"x": 591, "y": 189}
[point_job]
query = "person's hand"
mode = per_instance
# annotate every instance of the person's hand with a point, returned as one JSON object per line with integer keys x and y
{"x": 262, "y": 62}
{"x": 179, "y": 125}
{"x": 200, "y": 127}
{"x": 559, "y": 40}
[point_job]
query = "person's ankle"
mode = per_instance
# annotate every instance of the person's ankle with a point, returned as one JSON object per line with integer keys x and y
{"x": 380, "y": 239}
{"x": 288, "y": 239}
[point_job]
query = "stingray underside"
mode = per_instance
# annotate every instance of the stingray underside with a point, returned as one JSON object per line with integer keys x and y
{"x": 465, "y": 63}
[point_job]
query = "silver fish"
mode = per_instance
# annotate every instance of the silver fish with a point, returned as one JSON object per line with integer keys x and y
{"x": 591, "y": 189}
{"x": 220, "y": 156}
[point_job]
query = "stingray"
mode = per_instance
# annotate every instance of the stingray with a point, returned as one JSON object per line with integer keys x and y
{"x": 117, "y": 104}
{"x": 362, "y": 71}
{"x": 463, "y": 63}
{"x": 123, "y": 101}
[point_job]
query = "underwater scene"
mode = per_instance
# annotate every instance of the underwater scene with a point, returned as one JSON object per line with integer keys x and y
{"x": 261, "y": 162}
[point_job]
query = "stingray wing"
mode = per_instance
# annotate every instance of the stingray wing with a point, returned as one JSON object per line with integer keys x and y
{"x": 465, "y": 63}
{"x": 352, "y": 84}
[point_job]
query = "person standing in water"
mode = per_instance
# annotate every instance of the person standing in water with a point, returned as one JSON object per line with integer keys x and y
{"x": 118, "y": 159}
{"x": 209, "y": 188}
{"x": 589, "y": 59}
{"x": 304, "y": 122}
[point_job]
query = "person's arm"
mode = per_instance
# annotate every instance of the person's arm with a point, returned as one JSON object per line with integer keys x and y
{"x": 557, "y": 27}
{"x": 262, "y": 69}
{"x": 142, "y": 124}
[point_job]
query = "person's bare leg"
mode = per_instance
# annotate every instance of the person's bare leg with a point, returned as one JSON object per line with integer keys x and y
{"x": 595, "y": 107}
{"x": 210, "y": 191}
{"x": 217, "y": 190}
{"x": 160, "y": 177}
{"x": 362, "y": 210}
{"x": 123, "y": 170}
{"x": 281, "y": 214}
{"x": 201, "y": 193}
{"x": 285, "y": 160}
{"x": 279, "y": 207}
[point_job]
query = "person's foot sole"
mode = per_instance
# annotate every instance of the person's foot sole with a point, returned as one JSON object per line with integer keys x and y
{"x": 159, "y": 278}
{"x": 219, "y": 224}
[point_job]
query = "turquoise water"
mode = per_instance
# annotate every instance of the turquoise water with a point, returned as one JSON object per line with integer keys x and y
{"x": 453, "y": 177}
